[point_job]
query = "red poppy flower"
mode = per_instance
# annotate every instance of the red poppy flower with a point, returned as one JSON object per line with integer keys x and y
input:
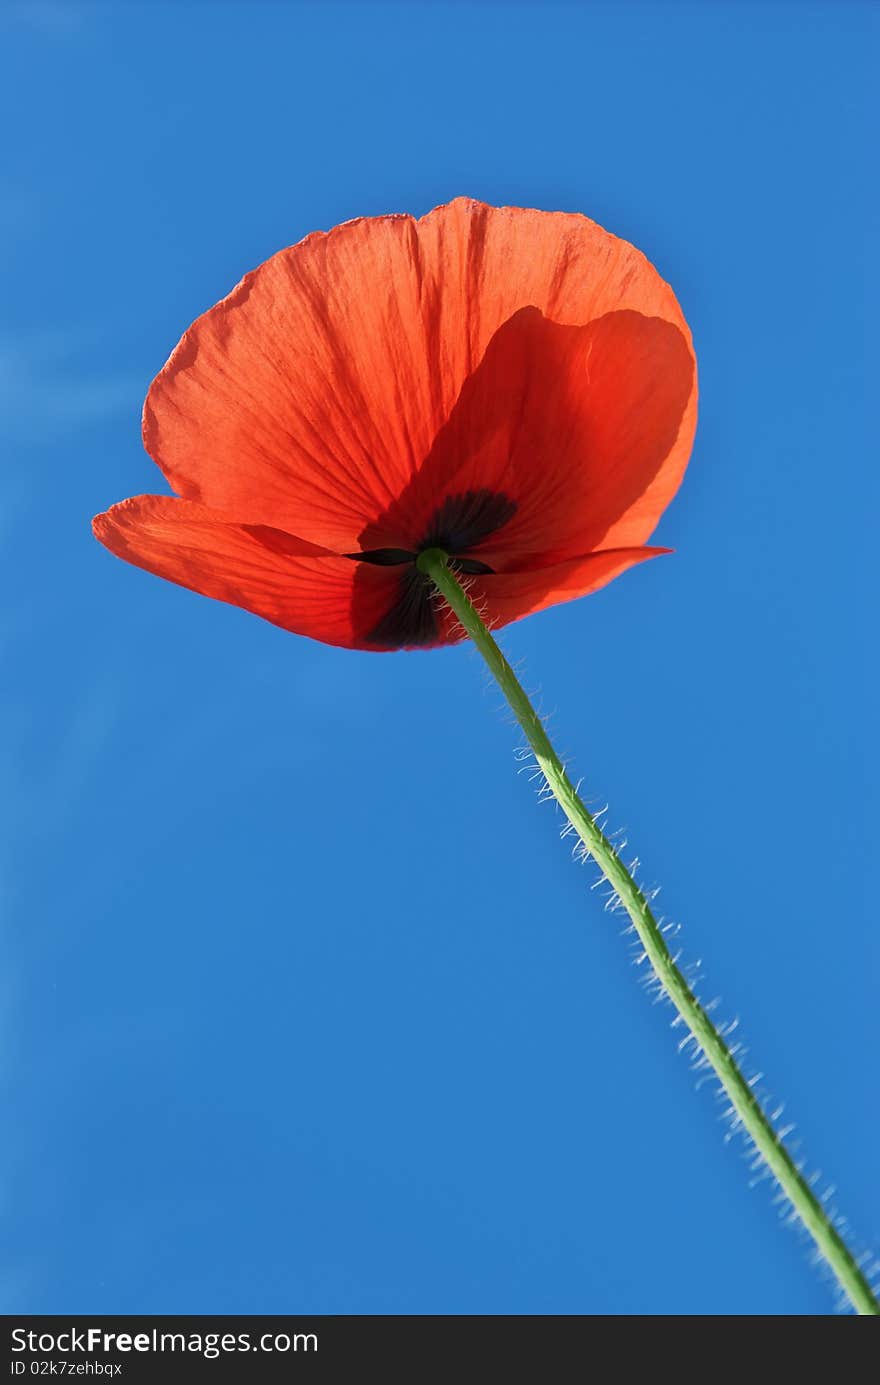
{"x": 516, "y": 387}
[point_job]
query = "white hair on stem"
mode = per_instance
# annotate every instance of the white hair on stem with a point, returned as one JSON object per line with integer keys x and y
{"x": 703, "y": 1071}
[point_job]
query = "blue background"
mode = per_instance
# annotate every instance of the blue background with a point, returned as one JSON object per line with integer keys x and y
{"x": 304, "y": 1005}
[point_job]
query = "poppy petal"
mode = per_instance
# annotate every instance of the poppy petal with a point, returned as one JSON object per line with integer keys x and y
{"x": 504, "y": 597}
{"x": 308, "y": 399}
{"x": 301, "y": 588}
{"x": 563, "y": 435}
{"x": 264, "y": 570}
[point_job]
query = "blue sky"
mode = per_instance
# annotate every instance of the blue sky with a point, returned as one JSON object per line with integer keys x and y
{"x": 304, "y": 1006}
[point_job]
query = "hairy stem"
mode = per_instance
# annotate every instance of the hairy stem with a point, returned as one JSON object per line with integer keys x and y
{"x": 743, "y": 1098}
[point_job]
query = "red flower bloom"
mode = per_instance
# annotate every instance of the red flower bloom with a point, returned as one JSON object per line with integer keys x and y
{"x": 516, "y": 387}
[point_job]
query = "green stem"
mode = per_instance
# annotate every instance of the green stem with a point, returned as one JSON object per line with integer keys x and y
{"x": 743, "y": 1098}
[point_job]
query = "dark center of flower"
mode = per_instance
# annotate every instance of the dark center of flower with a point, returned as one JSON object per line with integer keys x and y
{"x": 460, "y": 524}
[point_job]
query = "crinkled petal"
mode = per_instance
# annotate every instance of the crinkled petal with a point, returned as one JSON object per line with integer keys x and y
{"x": 563, "y": 435}
{"x": 273, "y": 574}
{"x": 309, "y": 397}
{"x": 509, "y": 596}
